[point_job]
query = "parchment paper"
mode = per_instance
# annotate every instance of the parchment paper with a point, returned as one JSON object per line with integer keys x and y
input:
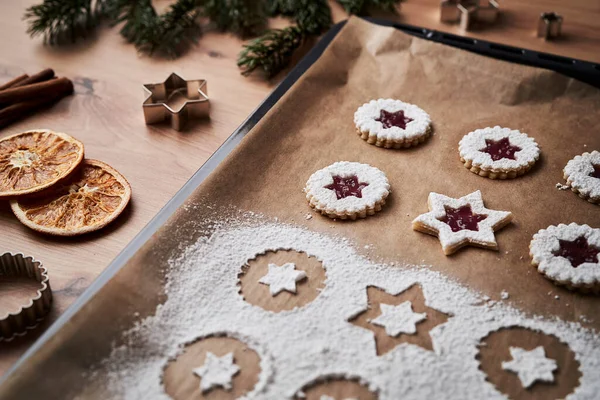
{"x": 312, "y": 127}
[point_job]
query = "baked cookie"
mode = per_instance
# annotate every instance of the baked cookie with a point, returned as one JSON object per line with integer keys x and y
{"x": 498, "y": 153}
{"x": 392, "y": 123}
{"x": 347, "y": 190}
{"x": 583, "y": 176}
{"x": 461, "y": 222}
{"x": 568, "y": 255}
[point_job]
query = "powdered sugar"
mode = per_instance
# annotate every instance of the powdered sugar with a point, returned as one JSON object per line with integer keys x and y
{"x": 546, "y": 242}
{"x": 577, "y": 173}
{"x": 304, "y": 344}
{"x": 530, "y": 366}
{"x": 471, "y": 145}
{"x": 326, "y": 201}
{"x": 366, "y": 117}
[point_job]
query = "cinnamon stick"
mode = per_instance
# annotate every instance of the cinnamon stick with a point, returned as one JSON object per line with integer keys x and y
{"x": 35, "y": 91}
{"x": 18, "y": 111}
{"x": 41, "y": 76}
{"x": 14, "y": 81}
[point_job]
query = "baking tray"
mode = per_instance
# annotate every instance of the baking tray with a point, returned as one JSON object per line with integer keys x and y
{"x": 581, "y": 70}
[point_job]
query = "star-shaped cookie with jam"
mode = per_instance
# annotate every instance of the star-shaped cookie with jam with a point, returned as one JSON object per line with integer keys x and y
{"x": 461, "y": 222}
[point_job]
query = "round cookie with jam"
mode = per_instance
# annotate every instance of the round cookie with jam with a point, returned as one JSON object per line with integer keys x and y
{"x": 347, "y": 190}
{"x": 568, "y": 255}
{"x": 392, "y": 123}
{"x": 583, "y": 176}
{"x": 498, "y": 153}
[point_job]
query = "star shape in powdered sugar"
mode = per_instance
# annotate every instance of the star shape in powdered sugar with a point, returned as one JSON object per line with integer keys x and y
{"x": 282, "y": 278}
{"x": 460, "y": 222}
{"x": 216, "y": 372}
{"x": 530, "y": 366}
{"x": 399, "y": 319}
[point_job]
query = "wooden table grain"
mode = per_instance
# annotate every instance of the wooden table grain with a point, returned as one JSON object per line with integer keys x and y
{"x": 106, "y": 115}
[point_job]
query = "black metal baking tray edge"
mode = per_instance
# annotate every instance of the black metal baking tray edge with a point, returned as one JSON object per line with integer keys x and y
{"x": 581, "y": 70}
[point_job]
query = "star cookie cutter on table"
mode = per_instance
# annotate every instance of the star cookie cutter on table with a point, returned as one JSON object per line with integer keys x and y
{"x": 27, "y": 317}
{"x": 549, "y": 25}
{"x": 176, "y": 100}
{"x": 468, "y": 11}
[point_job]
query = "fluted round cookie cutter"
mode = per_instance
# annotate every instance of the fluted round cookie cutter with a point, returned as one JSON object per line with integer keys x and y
{"x": 29, "y": 315}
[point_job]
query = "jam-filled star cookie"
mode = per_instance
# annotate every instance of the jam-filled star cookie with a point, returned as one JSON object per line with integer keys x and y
{"x": 568, "y": 255}
{"x": 461, "y": 222}
{"x": 498, "y": 153}
{"x": 392, "y": 123}
{"x": 583, "y": 176}
{"x": 347, "y": 190}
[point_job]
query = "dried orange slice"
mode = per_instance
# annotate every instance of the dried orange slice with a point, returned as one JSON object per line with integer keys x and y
{"x": 86, "y": 201}
{"x": 35, "y": 160}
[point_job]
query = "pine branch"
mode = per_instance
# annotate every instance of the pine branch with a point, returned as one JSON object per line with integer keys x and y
{"x": 271, "y": 52}
{"x": 361, "y": 7}
{"x": 168, "y": 34}
{"x": 242, "y": 17}
{"x": 280, "y": 7}
{"x": 312, "y": 16}
{"x": 178, "y": 28}
{"x": 139, "y": 16}
{"x": 58, "y": 20}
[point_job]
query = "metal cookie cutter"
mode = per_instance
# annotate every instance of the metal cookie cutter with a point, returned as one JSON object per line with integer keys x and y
{"x": 176, "y": 100}
{"x": 469, "y": 11}
{"x": 19, "y": 322}
{"x": 549, "y": 25}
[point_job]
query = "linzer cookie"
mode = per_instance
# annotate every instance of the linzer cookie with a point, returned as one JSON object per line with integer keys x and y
{"x": 568, "y": 255}
{"x": 392, "y": 123}
{"x": 347, "y": 190}
{"x": 583, "y": 176}
{"x": 498, "y": 153}
{"x": 461, "y": 222}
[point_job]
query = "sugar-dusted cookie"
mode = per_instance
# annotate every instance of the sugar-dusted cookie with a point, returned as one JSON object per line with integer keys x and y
{"x": 347, "y": 190}
{"x": 461, "y": 222}
{"x": 498, "y": 153}
{"x": 583, "y": 176}
{"x": 392, "y": 123}
{"x": 568, "y": 255}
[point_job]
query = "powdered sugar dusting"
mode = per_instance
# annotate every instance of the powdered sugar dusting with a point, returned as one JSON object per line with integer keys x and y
{"x": 316, "y": 340}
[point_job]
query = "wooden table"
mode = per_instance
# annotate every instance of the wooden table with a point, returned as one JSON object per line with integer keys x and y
{"x": 106, "y": 115}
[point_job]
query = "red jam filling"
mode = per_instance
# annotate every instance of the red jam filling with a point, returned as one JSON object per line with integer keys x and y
{"x": 596, "y": 173}
{"x": 462, "y": 218}
{"x": 345, "y": 187}
{"x": 577, "y": 251}
{"x": 389, "y": 119}
{"x": 500, "y": 149}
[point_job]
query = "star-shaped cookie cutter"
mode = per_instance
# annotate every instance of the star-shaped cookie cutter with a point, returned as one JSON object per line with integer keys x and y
{"x": 176, "y": 100}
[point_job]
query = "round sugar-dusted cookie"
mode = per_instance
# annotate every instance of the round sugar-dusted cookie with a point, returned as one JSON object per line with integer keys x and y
{"x": 583, "y": 176}
{"x": 568, "y": 255}
{"x": 498, "y": 153}
{"x": 347, "y": 190}
{"x": 392, "y": 123}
